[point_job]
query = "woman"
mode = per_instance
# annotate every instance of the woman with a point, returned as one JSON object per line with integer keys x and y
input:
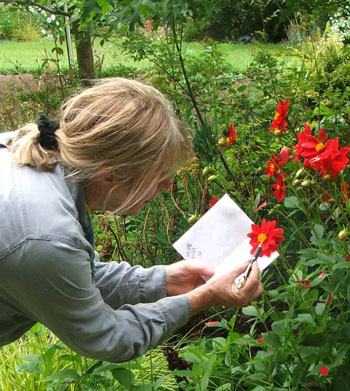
{"x": 115, "y": 147}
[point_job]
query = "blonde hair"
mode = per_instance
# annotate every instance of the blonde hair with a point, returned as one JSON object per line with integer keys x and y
{"x": 123, "y": 126}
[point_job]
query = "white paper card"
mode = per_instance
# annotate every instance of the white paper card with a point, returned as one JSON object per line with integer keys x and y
{"x": 219, "y": 238}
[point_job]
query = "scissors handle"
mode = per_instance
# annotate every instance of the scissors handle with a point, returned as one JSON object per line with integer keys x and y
{"x": 242, "y": 278}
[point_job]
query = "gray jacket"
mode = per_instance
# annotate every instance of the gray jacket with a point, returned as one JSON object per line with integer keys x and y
{"x": 45, "y": 273}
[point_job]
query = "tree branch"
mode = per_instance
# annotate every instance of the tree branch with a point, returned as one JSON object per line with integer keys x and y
{"x": 28, "y": 3}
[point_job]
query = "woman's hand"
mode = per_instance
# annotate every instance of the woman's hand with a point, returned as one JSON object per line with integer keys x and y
{"x": 184, "y": 276}
{"x": 221, "y": 291}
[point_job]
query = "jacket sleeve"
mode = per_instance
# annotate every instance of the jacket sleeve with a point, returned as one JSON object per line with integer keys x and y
{"x": 119, "y": 283}
{"x": 51, "y": 283}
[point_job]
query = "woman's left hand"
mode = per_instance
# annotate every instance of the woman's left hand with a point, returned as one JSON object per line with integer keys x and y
{"x": 184, "y": 276}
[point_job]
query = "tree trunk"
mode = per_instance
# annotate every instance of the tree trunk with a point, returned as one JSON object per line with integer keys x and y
{"x": 83, "y": 45}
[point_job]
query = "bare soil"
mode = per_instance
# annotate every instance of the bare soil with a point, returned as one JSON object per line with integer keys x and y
{"x": 25, "y": 81}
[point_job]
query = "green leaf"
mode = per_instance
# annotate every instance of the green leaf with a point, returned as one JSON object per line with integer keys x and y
{"x": 105, "y": 7}
{"x": 320, "y": 308}
{"x": 308, "y": 252}
{"x": 250, "y": 311}
{"x": 291, "y": 203}
{"x": 272, "y": 339}
{"x": 125, "y": 377}
{"x": 323, "y": 110}
{"x": 305, "y": 318}
{"x": 224, "y": 387}
{"x": 317, "y": 232}
{"x": 34, "y": 363}
{"x": 67, "y": 374}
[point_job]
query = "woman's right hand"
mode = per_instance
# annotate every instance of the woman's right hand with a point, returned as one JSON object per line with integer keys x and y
{"x": 221, "y": 291}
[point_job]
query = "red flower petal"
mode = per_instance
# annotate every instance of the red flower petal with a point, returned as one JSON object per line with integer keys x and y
{"x": 213, "y": 323}
{"x": 329, "y": 298}
{"x": 323, "y": 371}
{"x": 305, "y": 283}
{"x": 266, "y": 234}
{"x": 232, "y": 135}
{"x": 213, "y": 202}
{"x": 260, "y": 340}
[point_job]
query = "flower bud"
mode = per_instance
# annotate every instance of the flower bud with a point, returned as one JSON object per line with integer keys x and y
{"x": 212, "y": 178}
{"x": 193, "y": 219}
{"x": 327, "y": 178}
{"x": 207, "y": 170}
{"x": 332, "y": 201}
{"x": 306, "y": 183}
{"x": 277, "y": 132}
{"x": 300, "y": 173}
{"x": 297, "y": 182}
{"x": 344, "y": 233}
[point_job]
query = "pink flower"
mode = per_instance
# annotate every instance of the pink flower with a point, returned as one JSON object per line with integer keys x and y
{"x": 284, "y": 155}
{"x": 261, "y": 206}
{"x": 148, "y": 25}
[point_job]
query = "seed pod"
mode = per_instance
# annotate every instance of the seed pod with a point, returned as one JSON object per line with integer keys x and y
{"x": 306, "y": 183}
{"x": 212, "y": 178}
{"x": 343, "y": 234}
{"x": 300, "y": 173}
{"x": 207, "y": 170}
{"x": 193, "y": 219}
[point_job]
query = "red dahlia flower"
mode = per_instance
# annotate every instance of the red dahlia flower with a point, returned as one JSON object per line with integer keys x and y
{"x": 273, "y": 166}
{"x": 232, "y": 135}
{"x": 268, "y": 235}
{"x": 280, "y": 188}
{"x": 280, "y": 122}
{"x": 310, "y": 146}
{"x": 332, "y": 160}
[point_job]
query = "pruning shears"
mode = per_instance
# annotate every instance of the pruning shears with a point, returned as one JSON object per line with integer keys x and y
{"x": 242, "y": 278}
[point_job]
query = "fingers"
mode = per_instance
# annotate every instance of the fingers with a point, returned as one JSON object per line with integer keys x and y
{"x": 253, "y": 284}
{"x": 200, "y": 269}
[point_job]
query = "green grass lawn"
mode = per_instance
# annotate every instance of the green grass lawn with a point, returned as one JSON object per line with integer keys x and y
{"x": 23, "y": 57}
